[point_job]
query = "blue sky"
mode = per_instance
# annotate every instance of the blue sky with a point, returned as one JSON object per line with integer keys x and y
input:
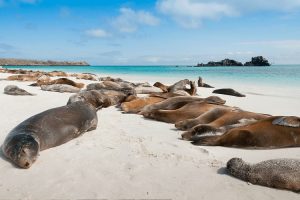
{"x": 150, "y": 32}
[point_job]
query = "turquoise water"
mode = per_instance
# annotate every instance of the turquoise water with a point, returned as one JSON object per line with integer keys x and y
{"x": 276, "y": 75}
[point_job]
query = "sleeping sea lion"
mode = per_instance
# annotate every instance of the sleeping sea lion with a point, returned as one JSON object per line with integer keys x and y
{"x": 272, "y": 132}
{"x": 48, "y": 129}
{"x": 139, "y": 103}
{"x": 57, "y": 81}
{"x": 276, "y": 173}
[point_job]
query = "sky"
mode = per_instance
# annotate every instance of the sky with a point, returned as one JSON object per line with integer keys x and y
{"x": 150, "y": 32}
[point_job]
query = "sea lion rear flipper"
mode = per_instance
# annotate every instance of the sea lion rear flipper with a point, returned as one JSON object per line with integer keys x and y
{"x": 289, "y": 121}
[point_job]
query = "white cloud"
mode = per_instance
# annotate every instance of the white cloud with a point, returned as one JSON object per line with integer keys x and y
{"x": 191, "y": 13}
{"x": 129, "y": 20}
{"x": 286, "y": 44}
{"x": 97, "y": 33}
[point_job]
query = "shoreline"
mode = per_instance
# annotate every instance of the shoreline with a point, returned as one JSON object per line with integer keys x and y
{"x": 128, "y": 156}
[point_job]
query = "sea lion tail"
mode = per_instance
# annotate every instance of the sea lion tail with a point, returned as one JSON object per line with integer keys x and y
{"x": 238, "y": 168}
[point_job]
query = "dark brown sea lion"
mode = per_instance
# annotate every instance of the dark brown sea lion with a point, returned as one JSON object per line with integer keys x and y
{"x": 137, "y": 104}
{"x": 15, "y": 90}
{"x": 163, "y": 87}
{"x": 179, "y": 101}
{"x": 57, "y": 81}
{"x": 220, "y": 117}
{"x": 48, "y": 129}
{"x": 188, "y": 111}
{"x": 60, "y": 88}
{"x": 277, "y": 173}
{"x": 101, "y": 98}
{"x": 202, "y": 84}
{"x": 272, "y": 132}
{"x": 228, "y": 91}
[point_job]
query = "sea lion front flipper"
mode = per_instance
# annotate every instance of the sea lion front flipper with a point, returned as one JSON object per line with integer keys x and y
{"x": 290, "y": 121}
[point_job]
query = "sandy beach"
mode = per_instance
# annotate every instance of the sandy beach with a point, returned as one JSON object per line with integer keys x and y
{"x": 130, "y": 157}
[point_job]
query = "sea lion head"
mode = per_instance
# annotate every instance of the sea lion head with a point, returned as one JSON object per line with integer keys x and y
{"x": 23, "y": 150}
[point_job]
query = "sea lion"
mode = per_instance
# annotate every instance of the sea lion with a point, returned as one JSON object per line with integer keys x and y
{"x": 217, "y": 121}
{"x": 161, "y": 86}
{"x": 57, "y": 73}
{"x": 272, "y": 132}
{"x": 188, "y": 111}
{"x": 86, "y": 76}
{"x": 46, "y": 130}
{"x": 201, "y": 84}
{"x": 146, "y": 90}
{"x": 276, "y": 173}
{"x": 65, "y": 81}
{"x": 101, "y": 98}
{"x": 23, "y": 77}
{"x": 220, "y": 117}
{"x": 60, "y": 88}
{"x": 228, "y": 91}
{"x": 15, "y": 90}
{"x": 137, "y": 104}
{"x": 179, "y": 101}
{"x": 180, "y": 85}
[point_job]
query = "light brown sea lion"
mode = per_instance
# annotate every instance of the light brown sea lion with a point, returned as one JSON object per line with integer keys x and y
{"x": 46, "y": 130}
{"x": 178, "y": 86}
{"x": 57, "y": 73}
{"x": 60, "y": 88}
{"x": 65, "y": 81}
{"x": 15, "y": 90}
{"x": 188, "y": 111}
{"x": 137, "y": 104}
{"x": 218, "y": 120}
{"x": 165, "y": 95}
{"x": 22, "y": 78}
{"x": 272, "y": 132}
{"x": 179, "y": 101}
{"x": 276, "y": 173}
{"x": 163, "y": 87}
{"x": 86, "y": 76}
{"x": 146, "y": 90}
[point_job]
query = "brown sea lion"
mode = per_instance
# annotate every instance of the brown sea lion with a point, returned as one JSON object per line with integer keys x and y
{"x": 272, "y": 132}
{"x": 46, "y": 130}
{"x": 57, "y": 73}
{"x": 228, "y": 91}
{"x": 177, "y": 102}
{"x": 24, "y": 77}
{"x": 220, "y": 117}
{"x": 15, "y": 90}
{"x": 101, "y": 98}
{"x": 165, "y": 95}
{"x": 178, "y": 86}
{"x": 86, "y": 76}
{"x": 219, "y": 121}
{"x": 188, "y": 111}
{"x": 146, "y": 90}
{"x": 60, "y": 88}
{"x": 163, "y": 87}
{"x": 137, "y": 104}
{"x": 202, "y": 84}
{"x": 65, "y": 81}
{"x": 276, "y": 173}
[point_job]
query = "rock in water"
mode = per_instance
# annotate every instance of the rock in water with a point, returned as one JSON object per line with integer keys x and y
{"x": 15, "y": 90}
{"x": 258, "y": 61}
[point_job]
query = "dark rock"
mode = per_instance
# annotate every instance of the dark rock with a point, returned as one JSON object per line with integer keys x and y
{"x": 225, "y": 62}
{"x": 258, "y": 61}
{"x": 228, "y": 91}
{"x": 15, "y": 90}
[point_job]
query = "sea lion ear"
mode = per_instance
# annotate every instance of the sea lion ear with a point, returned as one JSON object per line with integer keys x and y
{"x": 290, "y": 121}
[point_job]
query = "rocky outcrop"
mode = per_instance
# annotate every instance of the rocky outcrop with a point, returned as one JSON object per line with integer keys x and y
{"x": 258, "y": 61}
{"x": 255, "y": 61}
{"x": 24, "y": 62}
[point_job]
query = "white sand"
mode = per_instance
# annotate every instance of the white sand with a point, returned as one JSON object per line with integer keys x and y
{"x": 130, "y": 157}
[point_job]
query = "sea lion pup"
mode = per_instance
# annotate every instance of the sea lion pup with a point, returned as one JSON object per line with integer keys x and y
{"x": 220, "y": 117}
{"x": 217, "y": 121}
{"x": 46, "y": 130}
{"x": 272, "y": 132}
{"x": 277, "y": 173}
{"x": 60, "y": 88}
{"x": 137, "y": 104}
{"x": 188, "y": 111}
{"x": 57, "y": 81}
{"x": 179, "y": 101}
{"x": 15, "y": 90}
{"x": 228, "y": 91}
